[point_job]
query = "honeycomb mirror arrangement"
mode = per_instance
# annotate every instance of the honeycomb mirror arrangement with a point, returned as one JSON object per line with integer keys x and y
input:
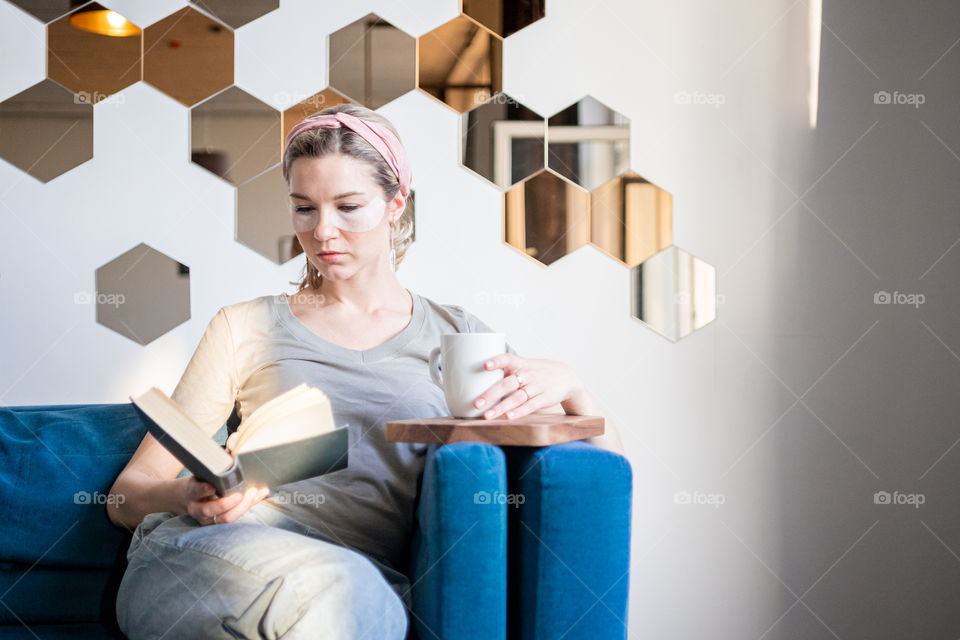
{"x": 566, "y": 178}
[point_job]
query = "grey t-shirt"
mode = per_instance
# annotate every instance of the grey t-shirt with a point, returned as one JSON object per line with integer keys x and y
{"x": 253, "y": 351}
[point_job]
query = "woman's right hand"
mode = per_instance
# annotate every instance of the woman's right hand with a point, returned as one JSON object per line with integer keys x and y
{"x": 200, "y": 501}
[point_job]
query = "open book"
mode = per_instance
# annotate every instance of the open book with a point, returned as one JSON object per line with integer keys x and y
{"x": 292, "y": 437}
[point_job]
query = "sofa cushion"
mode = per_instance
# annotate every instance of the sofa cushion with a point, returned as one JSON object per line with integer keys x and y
{"x": 459, "y": 572}
{"x": 35, "y": 594}
{"x": 57, "y": 464}
{"x": 88, "y": 631}
{"x": 569, "y": 542}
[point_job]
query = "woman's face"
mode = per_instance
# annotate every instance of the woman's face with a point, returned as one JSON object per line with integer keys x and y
{"x": 337, "y": 206}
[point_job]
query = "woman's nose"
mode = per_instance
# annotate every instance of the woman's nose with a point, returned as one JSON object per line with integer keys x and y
{"x": 324, "y": 228}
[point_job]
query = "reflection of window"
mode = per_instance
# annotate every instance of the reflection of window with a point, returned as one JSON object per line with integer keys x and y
{"x": 589, "y": 155}
{"x": 517, "y": 149}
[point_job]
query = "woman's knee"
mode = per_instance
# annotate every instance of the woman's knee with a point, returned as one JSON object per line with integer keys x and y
{"x": 351, "y": 601}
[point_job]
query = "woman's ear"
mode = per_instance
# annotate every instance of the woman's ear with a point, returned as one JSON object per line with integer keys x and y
{"x": 396, "y": 206}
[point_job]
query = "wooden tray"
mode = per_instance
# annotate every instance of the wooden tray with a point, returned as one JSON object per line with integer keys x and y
{"x": 534, "y": 430}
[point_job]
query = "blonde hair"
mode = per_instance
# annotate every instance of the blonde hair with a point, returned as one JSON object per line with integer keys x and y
{"x": 322, "y": 141}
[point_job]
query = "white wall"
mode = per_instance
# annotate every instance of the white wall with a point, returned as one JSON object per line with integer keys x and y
{"x": 716, "y": 413}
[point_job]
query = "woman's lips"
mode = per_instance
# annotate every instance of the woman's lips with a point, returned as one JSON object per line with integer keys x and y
{"x": 330, "y": 256}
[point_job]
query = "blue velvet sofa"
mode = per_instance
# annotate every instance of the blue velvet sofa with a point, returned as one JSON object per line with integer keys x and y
{"x": 515, "y": 542}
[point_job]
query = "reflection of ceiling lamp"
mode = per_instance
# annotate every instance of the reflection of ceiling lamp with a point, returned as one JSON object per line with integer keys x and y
{"x": 104, "y": 22}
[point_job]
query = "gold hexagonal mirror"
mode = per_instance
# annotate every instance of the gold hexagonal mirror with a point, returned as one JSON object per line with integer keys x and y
{"x": 460, "y": 63}
{"x": 188, "y": 56}
{"x": 372, "y": 62}
{"x": 294, "y": 115}
{"x": 502, "y": 141}
{"x": 237, "y": 13}
{"x": 263, "y": 217}
{"x": 546, "y": 217}
{"x": 674, "y": 293}
{"x": 631, "y": 218}
{"x": 46, "y": 130}
{"x": 234, "y": 135}
{"x": 504, "y": 17}
{"x": 142, "y": 294}
{"x": 94, "y": 52}
{"x": 588, "y": 143}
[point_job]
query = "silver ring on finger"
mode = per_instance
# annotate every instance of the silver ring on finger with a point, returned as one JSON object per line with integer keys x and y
{"x": 214, "y": 518}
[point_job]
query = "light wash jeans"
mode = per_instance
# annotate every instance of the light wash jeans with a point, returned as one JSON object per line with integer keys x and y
{"x": 263, "y": 576}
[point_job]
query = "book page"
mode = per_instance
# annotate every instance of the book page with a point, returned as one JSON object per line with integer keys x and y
{"x": 299, "y": 413}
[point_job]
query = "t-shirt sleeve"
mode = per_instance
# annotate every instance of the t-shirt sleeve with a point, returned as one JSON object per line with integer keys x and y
{"x": 476, "y": 325}
{"x": 208, "y": 387}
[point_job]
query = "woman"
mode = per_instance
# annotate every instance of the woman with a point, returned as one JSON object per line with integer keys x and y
{"x": 326, "y": 553}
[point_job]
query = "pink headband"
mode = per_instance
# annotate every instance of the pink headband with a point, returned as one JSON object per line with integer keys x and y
{"x": 379, "y": 137}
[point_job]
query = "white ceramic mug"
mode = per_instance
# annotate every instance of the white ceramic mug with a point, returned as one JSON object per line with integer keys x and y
{"x": 456, "y": 366}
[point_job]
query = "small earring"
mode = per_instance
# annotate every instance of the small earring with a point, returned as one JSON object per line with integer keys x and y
{"x": 393, "y": 252}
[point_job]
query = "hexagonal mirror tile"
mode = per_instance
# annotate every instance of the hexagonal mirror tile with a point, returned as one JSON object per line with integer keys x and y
{"x": 504, "y": 17}
{"x": 46, "y": 130}
{"x": 142, "y": 294}
{"x": 45, "y": 10}
{"x": 674, "y": 293}
{"x": 234, "y": 13}
{"x": 546, "y": 217}
{"x": 234, "y": 135}
{"x": 502, "y": 141}
{"x": 94, "y": 52}
{"x": 263, "y": 217}
{"x": 588, "y": 143}
{"x": 372, "y": 62}
{"x": 460, "y": 63}
{"x": 631, "y": 218}
{"x": 294, "y": 115}
{"x": 188, "y": 56}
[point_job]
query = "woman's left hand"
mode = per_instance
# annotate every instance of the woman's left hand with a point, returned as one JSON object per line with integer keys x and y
{"x": 528, "y": 385}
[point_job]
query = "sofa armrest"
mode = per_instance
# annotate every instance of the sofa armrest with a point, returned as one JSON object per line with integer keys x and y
{"x": 458, "y": 556}
{"x": 569, "y": 541}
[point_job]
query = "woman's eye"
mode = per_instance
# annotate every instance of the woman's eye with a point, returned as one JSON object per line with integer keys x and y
{"x": 303, "y": 209}
{"x": 347, "y": 208}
